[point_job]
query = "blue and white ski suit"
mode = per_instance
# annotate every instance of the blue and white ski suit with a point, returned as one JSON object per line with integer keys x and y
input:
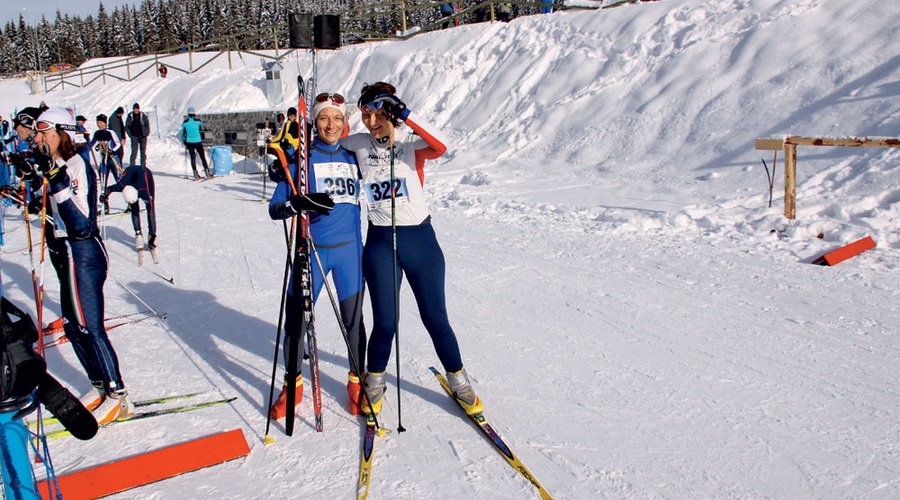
{"x": 79, "y": 257}
{"x": 338, "y": 241}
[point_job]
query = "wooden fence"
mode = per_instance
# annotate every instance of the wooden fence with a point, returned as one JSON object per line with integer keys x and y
{"x": 789, "y": 146}
{"x": 129, "y": 68}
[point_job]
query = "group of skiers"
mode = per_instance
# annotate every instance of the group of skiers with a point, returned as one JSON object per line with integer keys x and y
{"x": 388, "y": 166}
{"x": 385, "y": 164}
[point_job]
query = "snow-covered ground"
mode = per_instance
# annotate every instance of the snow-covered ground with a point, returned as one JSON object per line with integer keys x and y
{"x": 638, "y": 321}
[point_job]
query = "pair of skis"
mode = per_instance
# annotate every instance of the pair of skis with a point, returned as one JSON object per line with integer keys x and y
{"x": 300, "y": 246}
{"x": 303, "y": 270}
{"x": 140, "y": 251}
{"x": 368, "y": 448}
{"x": 141, "y": 415}
{"x": 110, "y": 324}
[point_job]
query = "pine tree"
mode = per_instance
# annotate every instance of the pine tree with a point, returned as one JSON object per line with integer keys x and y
{"x": 150, "y": 27}
{"x": 105, "y": 33}
{"x": 168, "y": 35}
{"x": 26, "y": 48}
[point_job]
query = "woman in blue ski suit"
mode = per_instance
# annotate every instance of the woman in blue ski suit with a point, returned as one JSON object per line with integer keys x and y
{"x": 80, "y": 260}
{"x": 336, "y": 236}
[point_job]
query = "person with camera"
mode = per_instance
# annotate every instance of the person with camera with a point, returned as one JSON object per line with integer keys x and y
{"x": 78, "y": 256}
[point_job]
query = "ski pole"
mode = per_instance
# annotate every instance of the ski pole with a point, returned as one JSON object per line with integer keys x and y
{"x": 354, "y": 363}
{"x": 400, "y": 427}
{"x": 266, "y": 165}
{"x": 134, "y": 294}
{"x": 287, "y": 272}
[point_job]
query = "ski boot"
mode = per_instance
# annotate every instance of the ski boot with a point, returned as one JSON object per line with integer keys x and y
{"x": 462, "y": 391}
{"x": 279, "y": 408}
{"x": 375, "y": 386}
{"x": 353, "y": 394}
{"x": 116, "y": 406}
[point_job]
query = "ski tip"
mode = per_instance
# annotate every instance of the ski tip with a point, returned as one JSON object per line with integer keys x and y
{"x": 382, "y": 431}
{"x": 268, "y": 440}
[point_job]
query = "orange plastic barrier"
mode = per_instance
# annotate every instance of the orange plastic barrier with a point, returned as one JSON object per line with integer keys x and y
{"x": 845, "y": 252}
{"x": 146, "y": 468}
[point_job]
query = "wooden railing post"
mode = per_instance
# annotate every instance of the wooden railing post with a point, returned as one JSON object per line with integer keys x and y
{"x": 790, "y": 180}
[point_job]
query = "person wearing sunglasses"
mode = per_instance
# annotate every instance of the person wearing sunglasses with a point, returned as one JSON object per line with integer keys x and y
{"x": 336, "y": 233}
{"x": 22, "y": 139}
{"x": 81, "y": 261}
{"x": 22, "y": 157}
{"x": 392, "y": 165}
{"x": 23, "y": 125}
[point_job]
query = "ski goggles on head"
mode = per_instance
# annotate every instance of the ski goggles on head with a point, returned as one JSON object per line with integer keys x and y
{"x": 334, "y": 98}
{"x": 43, "y": 126}
{"x": 373, "y": 106}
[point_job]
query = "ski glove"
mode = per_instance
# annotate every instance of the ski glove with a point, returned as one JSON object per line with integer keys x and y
{"x": 36, "y": 205}
{"x": 42, "y": 161}
{"x": 316, "y": 202}
{"x": 276, "y": 173}
{"x": 103, "y": 198}
{"x": 24, "y": 168}
{"x": 393, "y": 107}
{"x": 55, "y": 173}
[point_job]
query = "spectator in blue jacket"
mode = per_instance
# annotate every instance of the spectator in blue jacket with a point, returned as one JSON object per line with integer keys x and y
{"x": 193, "y": 141}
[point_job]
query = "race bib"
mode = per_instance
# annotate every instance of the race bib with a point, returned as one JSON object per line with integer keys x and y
{"x": 378, "y": 193}
{"x": 338, "y": 180}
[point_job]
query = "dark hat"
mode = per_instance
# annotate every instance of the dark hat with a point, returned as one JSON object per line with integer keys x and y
{"x": 80, "y": 118}
{"x": 101, "y": 118}
{"x": 120, "y": 110}
{"x": 27, "y": 117}
{"x": 136, "y": 106}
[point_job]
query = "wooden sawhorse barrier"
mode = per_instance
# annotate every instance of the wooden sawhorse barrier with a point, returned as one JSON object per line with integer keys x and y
{"x": 789, "y": 146}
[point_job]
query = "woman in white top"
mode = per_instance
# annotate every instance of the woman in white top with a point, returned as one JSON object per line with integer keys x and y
{"x": 392, "y": 165}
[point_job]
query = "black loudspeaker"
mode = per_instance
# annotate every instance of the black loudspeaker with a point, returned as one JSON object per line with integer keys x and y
{"x": 299, "y": 24}
{"x": 327, "y": 31}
